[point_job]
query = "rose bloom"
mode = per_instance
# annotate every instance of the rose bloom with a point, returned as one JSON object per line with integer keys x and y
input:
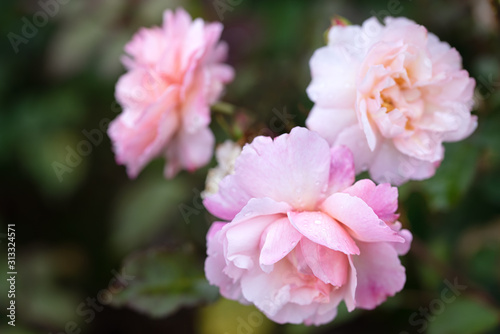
{"x": 301, "y": 236}
{"x": 175, "y": 72}
{"x": 392, "y": 94}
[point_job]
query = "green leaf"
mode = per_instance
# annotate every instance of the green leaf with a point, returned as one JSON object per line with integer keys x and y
{"x": 148, "y": 205}
{"x": 452, "y": 178}
{"x": 464, "y": 316}
{"x": 164, "y": 282}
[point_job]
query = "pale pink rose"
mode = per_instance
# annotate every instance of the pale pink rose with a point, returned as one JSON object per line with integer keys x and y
{"x": 301, "y": 237}
{"x": 175, "y": 72}
{"x": 392, "y": 94}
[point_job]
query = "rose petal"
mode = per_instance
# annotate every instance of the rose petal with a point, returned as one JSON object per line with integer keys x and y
{"x": 361, "y": 220}
{"x": 322, "y": 229}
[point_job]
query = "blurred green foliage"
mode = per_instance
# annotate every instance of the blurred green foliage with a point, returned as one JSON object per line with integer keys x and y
{"x": 73, "y": 234}
{"x": 163, "y": 282}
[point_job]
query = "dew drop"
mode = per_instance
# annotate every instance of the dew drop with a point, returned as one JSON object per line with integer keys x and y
{"x": 317, "y": 222}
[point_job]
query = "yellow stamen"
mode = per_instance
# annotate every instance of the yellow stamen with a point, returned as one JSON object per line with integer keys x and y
{"x": 387, "y": 104}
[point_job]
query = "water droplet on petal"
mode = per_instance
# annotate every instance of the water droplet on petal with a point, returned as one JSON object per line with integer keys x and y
{"x": 317, "y": 222}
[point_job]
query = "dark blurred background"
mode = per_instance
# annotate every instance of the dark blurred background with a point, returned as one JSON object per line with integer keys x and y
{"x": 99, "y": 253}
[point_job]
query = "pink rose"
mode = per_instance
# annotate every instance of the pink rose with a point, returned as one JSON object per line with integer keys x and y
{"x": 301, "y": 236}
{"x": 175, "y": 73}
{"x": 392, "y": 94}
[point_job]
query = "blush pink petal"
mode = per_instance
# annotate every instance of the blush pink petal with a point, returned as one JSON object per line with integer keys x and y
{"x": 277, "y": 241}
{"x": 215, "y": 264}
{"x": 257, "y": 207}
{"x": 332, "y": 72}
{"x": 245, "y": 240}
{"x": 351, "y": 287}
{"x": 328, "y": 265}
{"x": 278, "y": 296}
{"x": 444, "y": 118}
{"x": 218, "y": 74}
{"x": 354, "y": 139}
{"x": 342, "y": 172}
{"x": 247, "y": 229}
{"x": 307, "y": 314}
{"x": 135, "y": 145}
{"x": 189, "y": 151}
{"x": 146, "y": 47}
{"x": 322, "y": 229}
{"x": 267, "y": 291}
{"x": 392, "y": 167}
{"x": 330, "y": 121}
{"x": 366, "y": 125}
{"x": 422, "y": 145}
{"x": 299, "y": 162}
{"x": 138, "y": 88}
{"x": 355, "y": 41}
{"x": 402, "y": 248}
{"x": 379, "y": 274}
{"x": 361, "y": 220}
{"x": 382, "y": 198}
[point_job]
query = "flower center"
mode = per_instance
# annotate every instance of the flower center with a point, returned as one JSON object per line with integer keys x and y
{"x": 387, "y": 104}
{"x": 408, "y": 125}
